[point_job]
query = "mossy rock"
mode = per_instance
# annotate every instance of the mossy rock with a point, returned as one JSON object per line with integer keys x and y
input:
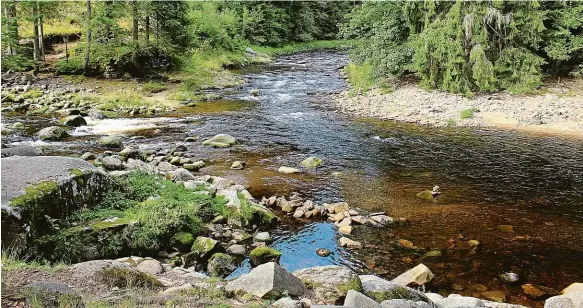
{"x": 204, "y": 247}
{"x": 220, "y": 141}
{"x": 183, "y": 240}
{"x": 110, "y": 141}
{"x": 51, "y": 294}
{"x": 398, "y": 292}
{"x": 311, "y": 162}
{"x": 127, "y": 278}
{"x": 52, "y": 133}
{"x": 261, "y": 255}
{"x": 221, "y": 265}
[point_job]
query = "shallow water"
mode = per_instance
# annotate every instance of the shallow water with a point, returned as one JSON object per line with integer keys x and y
{"x": 488, "y": 178}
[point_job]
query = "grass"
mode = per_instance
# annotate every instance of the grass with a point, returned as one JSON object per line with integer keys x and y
{"x": 153, "y": 87}
{"x": 303, "y": 47}
{"x": 467, "y": 113}
{"x": 11, "y": 261}
{"x": 360, "y": 78}
{"x": 123, "y": 99}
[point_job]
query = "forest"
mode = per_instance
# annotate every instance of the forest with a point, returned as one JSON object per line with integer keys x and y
{"x": 455, "y": 46}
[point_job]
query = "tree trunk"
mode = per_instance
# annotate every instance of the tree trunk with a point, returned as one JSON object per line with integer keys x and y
{"x": 36, "y": 51}
{"x": 135, "y": 21}
{"x": 14, "y": 25}
{"x": 41, "y": 38}
{"x": 9, "y": 19}
{"x": 88, "y": 49}
{"x": 147, "y": 28}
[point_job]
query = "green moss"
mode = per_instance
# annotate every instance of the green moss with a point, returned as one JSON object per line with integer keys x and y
{"x": 76, "y": 172}
{"x": 153, "y": 87}
{"x": 184, "y": 238}
{"x": 127, "y": 278}
{"x": 467, "y": 113}
{"x": 33, "y": 194}
{"x": 264, "y": 254}
{"x": 353, "y": 284}
{"x": 32, "y": 94}
{"x": 397, "y": 292}
{"x": 41, "y": 110}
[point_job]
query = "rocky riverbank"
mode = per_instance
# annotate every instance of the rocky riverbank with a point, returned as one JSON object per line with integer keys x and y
{"x": 558, "y": 111}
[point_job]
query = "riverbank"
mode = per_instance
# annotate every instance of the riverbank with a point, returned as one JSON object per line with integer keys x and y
{"x": 558, "y": 111}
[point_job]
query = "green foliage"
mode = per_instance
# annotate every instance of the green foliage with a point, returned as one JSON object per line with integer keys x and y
{"x": 71, "y": 67}
{"x": 303, "y": 47}
{"x": 153, "y": 87}
{"x": 126, "y": 278}
{"x": 121, "y": 99}
{"x": 468, "y": 47}
{"x": 467, "y": 113}
{"x": 17, "y": 63}
{"x": 361, "y": 77}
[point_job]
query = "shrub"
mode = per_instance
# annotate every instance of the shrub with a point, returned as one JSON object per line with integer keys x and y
{"x": 17, "y": 63}
{"x": 360, "y": 77}
{"x": 72, "y": 67}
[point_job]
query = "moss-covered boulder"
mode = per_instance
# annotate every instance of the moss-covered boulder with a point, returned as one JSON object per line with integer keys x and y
{"x": 36, "y": 190}
{"x": 311, "y": 162}
{"x": 330, "y": 283}
{"x": 381, "y": 289}
{"x": 205, "y": 247}
{"x": 52, "y": 133}
{"x": 220, "y": 141}
{"x": 110, "y": 141}
{"x": 261, "y": 255}
{"x": 51, "y": 294}
{"x": 221, "y": 265}
{"x": 183, "y": 241}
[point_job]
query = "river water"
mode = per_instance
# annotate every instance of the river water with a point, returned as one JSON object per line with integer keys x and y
{"x": 487, "y": 177}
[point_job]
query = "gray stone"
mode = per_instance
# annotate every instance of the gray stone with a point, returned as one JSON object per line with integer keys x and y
{"x": 262, "y": 237}
{"x": 460, "y": 301}
{"x": 24, "y": 150}
{"x": 165, "y": 166}
{"x": 266, "y": 281}
{"x": 510, "y": 278}
{"x": 181, "y": 174}
{"x": 576, "y": 298}
{"x": 205, "y": 247}
{"x": 88, "y": 156}
{"x": 330, "y": 282}
{"x": 195, "y": 166}
{"x": 236, "y": 249}
{"x": 220, "y": 141}
{"x": 221, "y": 265}
{"x": 110, "y": 141}
{"x": 51, "y": 294}
{"x": 150, "y": 266}
{"x": 111, "y": 163}
{"x": 231, "y": 196}
{"x": 419, "y": 275}
{"x": 287, "y": 302}
{"x": 357, "y": 299}
{"x": 402, "y": 303}
{"x": 288, "y": 170}
{"x": 434, "y": 296}
{"x": 311, "y": 162}
{"x": 36, "y": 188}
{"x": 52, "y": 133}
{"x": 238, "y": 165}
{"x": 75, "y": 120}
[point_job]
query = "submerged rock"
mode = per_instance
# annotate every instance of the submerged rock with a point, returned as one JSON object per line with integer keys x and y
{"x": 52, "y": 133}
{"x": 262, "y": 237}
{"x": 220, "y": 141}
{"x": 74, "y": 120}
{"x": 268, "y": 280}
{"x": 311, "y": 162}
{"x": 417, "y": 276}
{"x": 238, "y": 165}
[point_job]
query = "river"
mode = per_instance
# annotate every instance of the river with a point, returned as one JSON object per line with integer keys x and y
{"x": 488, "y": 178}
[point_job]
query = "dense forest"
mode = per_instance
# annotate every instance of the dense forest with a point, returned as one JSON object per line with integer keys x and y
{"x": 457, "y": 46}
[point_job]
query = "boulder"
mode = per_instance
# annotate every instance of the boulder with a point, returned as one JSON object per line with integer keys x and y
{"x": 88, "y": 156}
{"x": 220, "y": 141}
{"x": 345, "y": 230}
{"x": 456, "y": 301}
{"x": 357, "y": 299}
{"x": 74, "y": 120}
{"x": 510, "y": 278}
{"x": 236, "y": 249}
{"x": 131, "y": 152}
{"x": 205, "y": 247}
{"x": 417, "y": 276}
{"x": 150, "y": 266}
{"x": 402, "y": 303}
{"x": 311, "y": 162}
{"x": 195, "y": 166}
{"x": 262, "y": 237}
{"x": 264, "y": 254}
{"x": 231, "y": 196}
{"x": 110, "y": 141}
{"x": 381, "y": 289}
{"x": 36, "y": 189}
{"x": 559, "y": 301}
{"x": 288, "y": 170}
{"x": 111, "y": 163}
{"x": 346, "y": 242}
{"x": 574, "y": 287}
{"x": 287, "y": 302}
{"x": 182, "y": 175}
{"x": 51, "y": 294}
{"x": 268, "y": 280}
{"x": 220, "y": 265}
{"x": 52, "y": 133}
{"x": 24, "y": 150}
{"x": 113, "y": 273}
{"x": 330, "y": 283}
{"x": 238, "y": 165}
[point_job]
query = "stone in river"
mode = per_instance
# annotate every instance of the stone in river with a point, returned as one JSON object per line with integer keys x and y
{"x": 417, "y": 276}
{"x": 406, "y": 243}
{"x": 345, "y": 230}
{"x": 238, "y": 165}
{"x": 311, "y": 162}
{"x": 506, "y": 228}
{"x": 220, "y": 141}
{"x": 574, "y": 287}
{"x": 288, "y": 170}
{"x": 323, "y": 252}
{"x": 495, "y": 296}
{"x": 537, "y": 292}
{"x": 346, "y": 242}
{"x": 509, "y": 277}
{"x": 75, "y": 120}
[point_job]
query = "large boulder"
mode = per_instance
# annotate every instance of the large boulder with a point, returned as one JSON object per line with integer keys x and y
{"x": 417, "y": 276}
{"x": 110, "y": 141}
{"x": 114, "y": 273}
{"x": 330, "y": 283}
{"x": 357, "y": 299}
{"x": 268, "y": 280}
{"x": 37, "y": 189}
{"x": 381, "y": 289}
{"x": 52, "y": 133}
{"x": 220, "y": 141}
{"x": 205, "y": 247}
{"x": 25, "y": 150}
{"x": 456, "y": 301}
{"x": 51, "y": 294}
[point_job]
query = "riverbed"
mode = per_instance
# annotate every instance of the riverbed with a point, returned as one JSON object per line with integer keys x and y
{"x": 488, "y": 178}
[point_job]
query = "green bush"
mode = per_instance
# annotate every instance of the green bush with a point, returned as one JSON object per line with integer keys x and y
{"x": 72, "y": 67}
{"x": 17, "y": 63}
